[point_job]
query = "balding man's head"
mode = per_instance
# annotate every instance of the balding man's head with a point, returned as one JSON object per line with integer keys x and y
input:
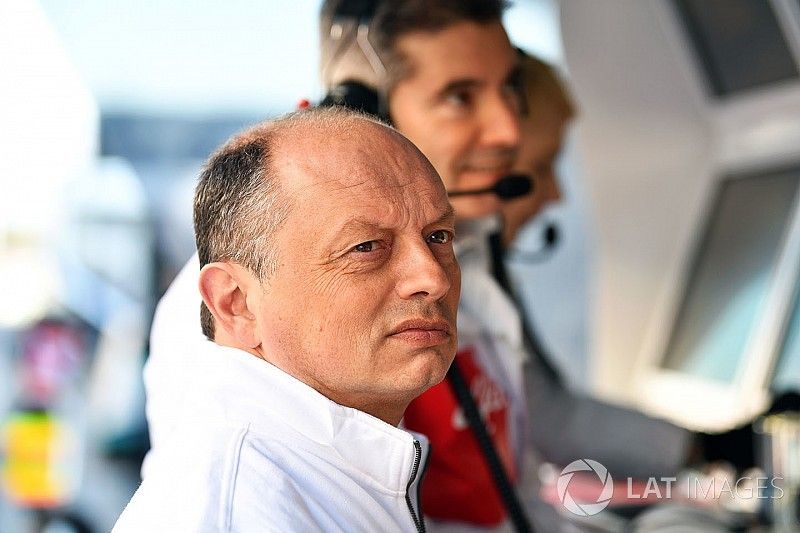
{"x": 325, "y": 240}
{"x": 239, "y": 201}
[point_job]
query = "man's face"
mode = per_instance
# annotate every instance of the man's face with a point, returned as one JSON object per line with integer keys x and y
{"x": 459, "y": 106}
{"x": 363, "y": 304}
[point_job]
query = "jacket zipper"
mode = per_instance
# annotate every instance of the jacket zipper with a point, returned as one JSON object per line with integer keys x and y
{"x": 419, "y": 521}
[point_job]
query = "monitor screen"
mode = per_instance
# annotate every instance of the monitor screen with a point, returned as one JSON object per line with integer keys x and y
{"x": 739, "y": 43}
{"x": 730, "y": 274}
{"x": 787, "y": 371}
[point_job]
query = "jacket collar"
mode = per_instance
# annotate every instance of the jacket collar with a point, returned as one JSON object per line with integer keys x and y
{"x": 244, "y": 389}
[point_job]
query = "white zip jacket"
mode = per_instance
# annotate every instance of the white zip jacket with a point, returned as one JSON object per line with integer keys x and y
{"x": 258, "y": 450}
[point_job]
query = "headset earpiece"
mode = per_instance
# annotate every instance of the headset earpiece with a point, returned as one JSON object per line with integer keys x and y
{"x": 353, "y": 94}
{"x": 357, "y": 96}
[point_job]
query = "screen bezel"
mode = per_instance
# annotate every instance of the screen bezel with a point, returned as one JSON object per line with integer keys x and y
{"x": 706, "y": 404}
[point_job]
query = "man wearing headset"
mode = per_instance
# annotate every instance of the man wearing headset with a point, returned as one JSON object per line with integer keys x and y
{"x": 445, "y": 75}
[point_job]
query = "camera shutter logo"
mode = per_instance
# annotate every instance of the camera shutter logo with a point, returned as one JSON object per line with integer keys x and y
{"x": 585, "y": 509}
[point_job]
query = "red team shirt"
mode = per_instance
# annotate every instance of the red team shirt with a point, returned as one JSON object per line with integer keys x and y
{"x": 458, "y": 485}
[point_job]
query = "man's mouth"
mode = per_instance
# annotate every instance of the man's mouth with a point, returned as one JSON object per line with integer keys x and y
{"x": 421, "y": 332}
{"x": 499, "y": 162}
{"x": 477, "y": 176}
{"x": 499, "y": 170}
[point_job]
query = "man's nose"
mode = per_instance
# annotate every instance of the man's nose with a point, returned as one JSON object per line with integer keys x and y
{"x": 500, "y": 123}
{"x": 421, "y": 274}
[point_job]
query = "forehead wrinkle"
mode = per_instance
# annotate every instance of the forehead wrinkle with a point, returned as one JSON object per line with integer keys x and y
{"x": 336, "y": 185}
{"x": 361, "y": 169}
{"x": 410, "y": 207}
{"x": 384, "y": 219}
{"x": 302, "y": 175}
{"x": 389, "y": 168}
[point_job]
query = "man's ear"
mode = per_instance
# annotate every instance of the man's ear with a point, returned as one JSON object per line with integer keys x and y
{"x": 224, "y": 287}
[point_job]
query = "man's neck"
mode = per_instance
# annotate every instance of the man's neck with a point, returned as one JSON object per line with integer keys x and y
{"x": 390, "y": 412}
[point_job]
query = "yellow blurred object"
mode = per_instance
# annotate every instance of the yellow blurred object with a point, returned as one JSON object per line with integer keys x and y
{"x": 35, "y": 447}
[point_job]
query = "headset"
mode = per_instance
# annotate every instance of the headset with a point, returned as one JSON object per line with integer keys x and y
{"x": 351, "y": 93}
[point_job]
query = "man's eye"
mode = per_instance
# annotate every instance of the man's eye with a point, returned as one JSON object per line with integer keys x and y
{"x": 459, "y": 98}
{"x": 440, "y": 237}
{"x": 369, "y": 246}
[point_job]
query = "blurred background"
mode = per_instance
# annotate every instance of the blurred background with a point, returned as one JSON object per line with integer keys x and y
{"x": 674, "y": 280}
{"x": 107, "y": 112}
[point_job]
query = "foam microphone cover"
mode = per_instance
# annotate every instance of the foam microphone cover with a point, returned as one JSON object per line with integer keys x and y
{"x": 513, "y": 186}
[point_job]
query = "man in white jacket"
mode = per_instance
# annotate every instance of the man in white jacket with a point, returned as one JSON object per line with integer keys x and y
{"x": 446, "y": 75}
{"x": 330, "y": 288}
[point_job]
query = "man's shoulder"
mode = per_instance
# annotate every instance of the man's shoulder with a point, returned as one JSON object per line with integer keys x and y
{"x": 188, "y": 482}
{"x": 228, "y": 478}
